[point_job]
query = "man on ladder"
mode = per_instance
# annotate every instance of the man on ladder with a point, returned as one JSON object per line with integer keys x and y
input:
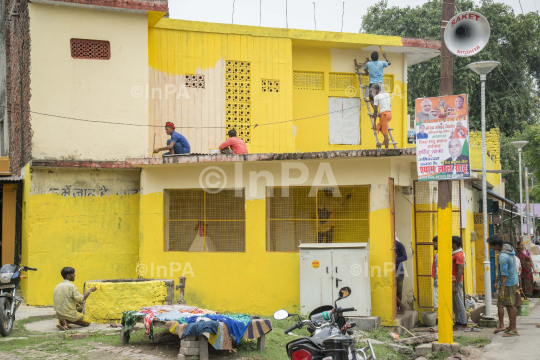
{"x": 381, "y": 107}
{"x": 375, "y": 70}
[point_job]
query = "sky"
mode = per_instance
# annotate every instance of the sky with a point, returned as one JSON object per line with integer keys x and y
{"x": 272, "y": 13}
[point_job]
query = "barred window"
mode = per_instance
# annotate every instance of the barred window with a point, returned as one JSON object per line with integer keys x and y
{"x": 196, "y": 220}
{"x": 90, "y": 49}
{"x": 318, "y": 215}
{"x": 308, "y": 80}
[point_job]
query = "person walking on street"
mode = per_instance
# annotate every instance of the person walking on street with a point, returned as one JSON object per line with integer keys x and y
{"x": 507, "y": 284}
{"x": 458, "y": 264}
{"x": 401, "y": 256}
{"x": 527, "y": 269}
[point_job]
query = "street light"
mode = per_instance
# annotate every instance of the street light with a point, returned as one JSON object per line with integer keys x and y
{"x": 520, "y": 145}
{"x": 482, "y": 68}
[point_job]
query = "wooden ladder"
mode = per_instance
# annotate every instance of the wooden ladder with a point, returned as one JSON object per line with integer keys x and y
{"x": 365, "y": 93}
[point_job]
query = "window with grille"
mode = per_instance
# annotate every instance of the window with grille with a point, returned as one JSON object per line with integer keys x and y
{"x": 388, "y": 81}
{"x": 308, "y": 80}
{"x": 316, "y": 215}
{"x": 90, "y": 49}
{"x": 342, "y": 81}
{"x": 196, "y": 220}
{"x": 238, "y": 99}
{"x": 269, "y": 85}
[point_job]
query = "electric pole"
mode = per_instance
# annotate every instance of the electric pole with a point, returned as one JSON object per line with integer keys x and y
{"x": 444, "y": 208}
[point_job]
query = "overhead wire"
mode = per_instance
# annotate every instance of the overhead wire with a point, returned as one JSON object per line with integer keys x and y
{"x": 219, "y": 127}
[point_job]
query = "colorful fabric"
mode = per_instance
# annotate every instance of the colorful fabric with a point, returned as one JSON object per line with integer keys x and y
{"x": 200, "y": 327}
{"x": 434, "y": 269}
{"x": 170, "y": 124}
{"x": 237, "y": 324}
{"x": 222, "y": 340}
{"x": 65, "y": 298}
{"x": 526, "y": 272}
{"x": 258, "y": 328}
{"x": 509, "y": 296}
{"x": 129, "y": 320}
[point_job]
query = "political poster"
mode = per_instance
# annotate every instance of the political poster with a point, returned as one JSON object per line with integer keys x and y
{"x": 442, "y": 138}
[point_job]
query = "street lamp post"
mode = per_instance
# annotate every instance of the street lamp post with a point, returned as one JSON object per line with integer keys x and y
{"x": 482, "y": 68}
{"x": 520, "y": 145}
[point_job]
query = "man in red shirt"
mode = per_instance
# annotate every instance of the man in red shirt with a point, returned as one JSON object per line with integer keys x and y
{"x": 238, "y": 146}
{"x": 458, "y": 263}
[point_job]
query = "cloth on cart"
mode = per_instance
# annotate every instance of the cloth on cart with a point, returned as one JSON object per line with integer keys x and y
{"x": 258, "y": 328}
{"x": 222, "y": 340}
{"x": 237, "y": 324}
{"x": 129, "y": 320}
{"x": 201, "y": 327}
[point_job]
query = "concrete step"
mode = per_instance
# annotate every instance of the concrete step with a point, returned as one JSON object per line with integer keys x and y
{"x": 408, "y": 320}
{"x": 365, "y": 323}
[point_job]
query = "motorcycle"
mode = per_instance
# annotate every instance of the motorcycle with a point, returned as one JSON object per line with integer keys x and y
{"x": 330, "y": 335}
{"x": 10, "y": 277}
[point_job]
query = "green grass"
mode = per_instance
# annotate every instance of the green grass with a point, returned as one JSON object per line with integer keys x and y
{"x": 467, "y": 341}
{"x": 438, "y": 355}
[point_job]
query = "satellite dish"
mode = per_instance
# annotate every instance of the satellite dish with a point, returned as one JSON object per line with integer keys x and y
{"x": 466, "y": 34}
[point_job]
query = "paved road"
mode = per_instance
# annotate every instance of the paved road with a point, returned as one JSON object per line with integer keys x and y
{"x": 523, "y": 347}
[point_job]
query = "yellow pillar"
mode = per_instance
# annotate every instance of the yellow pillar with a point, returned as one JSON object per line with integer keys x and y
{"x": 444, "y": 226}
{"x": 8, "y": 223}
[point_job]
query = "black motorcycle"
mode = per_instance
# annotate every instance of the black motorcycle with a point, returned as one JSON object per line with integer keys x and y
{"x": 330, "y": 337}
{"x": 10, "y": 277}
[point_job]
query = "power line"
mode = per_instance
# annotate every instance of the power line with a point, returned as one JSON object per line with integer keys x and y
{"x": 219, "y": 127}
{"x": 521, "y": 7}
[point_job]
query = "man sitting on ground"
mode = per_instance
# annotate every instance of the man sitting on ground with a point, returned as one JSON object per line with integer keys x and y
{"x": 65, "y": 299}
{"x": 237, "y": 145}
{"x": 177, "y": 144}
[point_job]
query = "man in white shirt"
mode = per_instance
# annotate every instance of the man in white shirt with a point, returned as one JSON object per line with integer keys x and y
{"x": 381, "y": 105}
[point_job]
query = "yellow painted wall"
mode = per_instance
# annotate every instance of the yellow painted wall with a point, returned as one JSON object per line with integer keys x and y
{"x": 257, "y": 281}
{"x": 97, "y": 235}
{"x": 88, "y": 89}
{"x": 174, "y": 53}
{"x": 110, "y": 300}
{"x": 312, "y": 134}
{"x": 8, "y": 223}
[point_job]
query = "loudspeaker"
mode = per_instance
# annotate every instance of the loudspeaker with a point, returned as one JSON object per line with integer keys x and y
{"x": 466, "y": 34}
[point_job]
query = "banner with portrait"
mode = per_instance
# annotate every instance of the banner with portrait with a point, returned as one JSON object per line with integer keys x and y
{"x": 442, "y": 138}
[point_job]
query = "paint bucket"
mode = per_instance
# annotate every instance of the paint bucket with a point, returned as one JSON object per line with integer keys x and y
{"x": 523, "y": 310}
{"x": 214, "y": 151}
{"x": 429, "y": 318}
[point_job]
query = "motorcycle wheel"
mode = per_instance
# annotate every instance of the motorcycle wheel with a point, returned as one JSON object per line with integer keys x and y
{"x": 6, "y": 320}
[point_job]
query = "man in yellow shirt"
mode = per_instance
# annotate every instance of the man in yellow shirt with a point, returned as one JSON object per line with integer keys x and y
{"x": 65, "y": 299}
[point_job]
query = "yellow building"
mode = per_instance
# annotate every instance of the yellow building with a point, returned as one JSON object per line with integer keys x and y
{"x": 105, "y": 80}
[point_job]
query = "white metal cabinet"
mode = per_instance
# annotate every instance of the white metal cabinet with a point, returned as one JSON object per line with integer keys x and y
{"x": 322, "y": 265}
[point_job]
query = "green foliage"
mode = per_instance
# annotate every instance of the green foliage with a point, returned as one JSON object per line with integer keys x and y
{"x": 512, "y": 94}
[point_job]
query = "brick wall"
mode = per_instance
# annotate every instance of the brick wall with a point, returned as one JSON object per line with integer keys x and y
{"x": 18, "y": 83}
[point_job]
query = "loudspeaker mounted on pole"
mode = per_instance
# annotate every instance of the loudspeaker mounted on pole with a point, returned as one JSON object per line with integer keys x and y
{"x": 466, "y": 34}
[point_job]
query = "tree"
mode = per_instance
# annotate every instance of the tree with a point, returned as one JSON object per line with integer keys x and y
{"x": 512, "y": 94}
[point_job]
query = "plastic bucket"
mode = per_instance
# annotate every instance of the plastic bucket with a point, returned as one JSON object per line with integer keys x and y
{"x": 523, "y": 310}
{"x": 429, "y": 318}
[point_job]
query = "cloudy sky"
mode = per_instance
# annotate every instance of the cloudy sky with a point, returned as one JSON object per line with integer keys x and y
{"x": 300, "y": 12}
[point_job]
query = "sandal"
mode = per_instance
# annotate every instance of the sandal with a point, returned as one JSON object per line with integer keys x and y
{"x": 498, "y": 330}
{"x": 510, "y": 334}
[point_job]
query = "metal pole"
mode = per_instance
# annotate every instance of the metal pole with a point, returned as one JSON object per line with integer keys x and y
{"x": 528, "y": 214}
{"x": 487, "y": 264}
{"x": 520, "y": 197}
{"x": 533, "y": 213}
